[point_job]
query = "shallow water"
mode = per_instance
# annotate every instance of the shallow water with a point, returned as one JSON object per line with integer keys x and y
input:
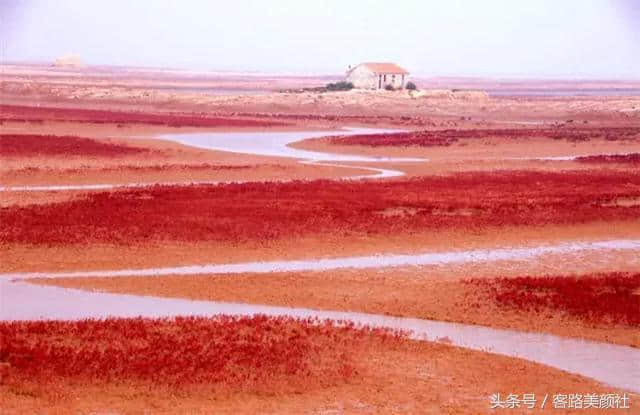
{"x": 276, "y": 144}
{"x": 271, "y": 143}
{"x": 617, "y": 366}
{"x": 358, "y": 262}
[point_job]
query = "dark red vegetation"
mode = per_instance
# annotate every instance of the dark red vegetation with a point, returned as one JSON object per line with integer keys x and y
{"x": 346, "y": 119}
{"x": 267, "y": 211}
{"x": 611, "y": 297}
{"x": 254, "y": 351}
{"x": 38, "y": 114}
{"x": 631, "y": 158}
{"x": 447, "y": 137}
{"x": 29, "y": 145}
{"x": 149, "y": 168}
{"x": 178, "y": 167}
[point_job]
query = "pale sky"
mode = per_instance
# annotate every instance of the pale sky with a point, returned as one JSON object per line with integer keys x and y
{"x": 512, "y": 38}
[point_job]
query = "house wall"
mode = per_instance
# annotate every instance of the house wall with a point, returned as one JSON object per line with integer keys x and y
{"x": 363, "y": 78}
{"x": 395, "y": 80}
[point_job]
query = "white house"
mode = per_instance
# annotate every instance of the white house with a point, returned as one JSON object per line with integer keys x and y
{"x": 377, "y": 75}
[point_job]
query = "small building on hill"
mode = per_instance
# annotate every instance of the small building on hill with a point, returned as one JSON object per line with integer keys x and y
{"x": 377, "y": 75}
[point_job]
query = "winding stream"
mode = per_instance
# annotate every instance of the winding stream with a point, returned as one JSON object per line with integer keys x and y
{"x": 271, "y": 143}
{"x": 358, "y": 262}
{"x": 617, "y": 366}
{"x": 275, "y": 144}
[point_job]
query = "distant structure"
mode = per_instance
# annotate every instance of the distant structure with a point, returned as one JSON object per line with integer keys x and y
{"x": 377, "y": 75}
{"x": 69, "y": 61}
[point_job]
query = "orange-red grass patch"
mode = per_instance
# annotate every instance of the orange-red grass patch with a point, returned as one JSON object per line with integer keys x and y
{"x": 631, "y": 158}
{"x": 599, "y": 298}
{"x": 254, "y": 351}
{"x": 21, "y": 113}
{"x": 29, "y": 145}
{"x": 434, "y": 138}
{"x": 269, "y": 211}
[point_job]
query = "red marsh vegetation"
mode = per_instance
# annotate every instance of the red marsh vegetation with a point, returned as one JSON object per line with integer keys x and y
{"x": 346, "y": 119}
{"x": 28, "y": 145}
{"x": 39, "y": 114}
{"x": 631, "y": 158}
{"x": 150, "y": 168}
{"x": 268, "y": 211}
{"x": 599, "y": 298}
{"x": 448, "y": 137}
{"x": 258, "y": 352}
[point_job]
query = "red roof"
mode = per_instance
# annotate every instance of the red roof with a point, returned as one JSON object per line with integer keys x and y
{"x": 384, "y": 67}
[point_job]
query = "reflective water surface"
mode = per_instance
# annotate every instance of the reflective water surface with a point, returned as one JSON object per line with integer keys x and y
{"x": 617, "y": 366}
{"x": 271, "y": 143}
{"x": 276, "y": 143}
{"x": 357, "y": 262}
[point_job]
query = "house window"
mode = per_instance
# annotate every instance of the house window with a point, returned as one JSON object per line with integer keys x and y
{"x": 385, "y": 77}
{"x": 393, "y": 79}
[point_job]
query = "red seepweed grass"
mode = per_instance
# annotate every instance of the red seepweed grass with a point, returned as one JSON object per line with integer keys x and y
{"x": 598, "y": 298}
{"x": 631, "y": 158}
{"x": 433, "y": 138}
{"x": 257, "y": 352}
{"x": 269, "y": 211}
{"x": 39, "y": 114}
{"x": 29, "y": 145}
{"x": 154, "y": 168}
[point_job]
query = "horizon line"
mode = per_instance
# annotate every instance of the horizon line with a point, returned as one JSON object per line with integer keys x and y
{"x": 494, "y": 77}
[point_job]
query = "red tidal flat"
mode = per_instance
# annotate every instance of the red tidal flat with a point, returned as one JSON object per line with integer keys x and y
{"x": 612, "y": 297}
{"x": 343, "y": 118}
{"x": 51, "y": 145}
{"x": 152, "y": 168}
{"x": 223, "y": 350}
{"x": 632, "y": 158}
{"x": 25, "y": 113}
{"x": 448, "y": 137}
{"x": 266, "y": 211}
